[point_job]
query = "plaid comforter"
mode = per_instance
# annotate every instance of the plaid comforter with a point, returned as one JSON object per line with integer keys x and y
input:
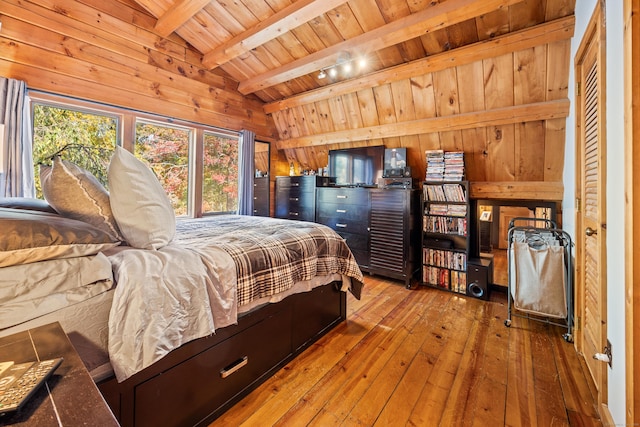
{"x": 272, "y": 254}
{"x": 214, "y": 266}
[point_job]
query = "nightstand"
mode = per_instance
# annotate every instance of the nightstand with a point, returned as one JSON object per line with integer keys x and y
{"x": 69, "y": 397}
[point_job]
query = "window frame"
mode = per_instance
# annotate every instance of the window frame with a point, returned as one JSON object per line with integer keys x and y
{"x": 126, "y": 120}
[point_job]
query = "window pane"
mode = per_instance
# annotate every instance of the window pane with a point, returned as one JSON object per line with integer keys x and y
{"x": 86, "y": 139}
{"x": 220, "y": 180}
{"x": 166, "y": 151}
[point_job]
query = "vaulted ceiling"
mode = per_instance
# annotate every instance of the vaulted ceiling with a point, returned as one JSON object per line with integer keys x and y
{"x": 275, "y": 48}
{"x": 452, "y": 74}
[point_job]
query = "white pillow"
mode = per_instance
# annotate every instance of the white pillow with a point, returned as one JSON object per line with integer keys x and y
{"x": 139, "y": 203}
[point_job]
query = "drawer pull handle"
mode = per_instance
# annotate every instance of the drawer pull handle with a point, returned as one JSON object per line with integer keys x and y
{"x": 340, "y": 225}
{"x": 234, "y": 367}
{"x": 341, "y": 210}
{"x": 295, "y": 184}
{"x": 293, "y": 199}
{"x": 340, "y": 196}
{"x": 294, "y": 213}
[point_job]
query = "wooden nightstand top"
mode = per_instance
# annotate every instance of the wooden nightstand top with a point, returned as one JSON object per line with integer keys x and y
{"x": 70, "y": 397}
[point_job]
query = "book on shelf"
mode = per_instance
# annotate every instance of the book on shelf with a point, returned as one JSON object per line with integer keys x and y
{"x": 446, "y": 210}
{"x": 444, "y": 192}
{"x": 445, "y": 225}
{"x": 459, "y": 282}
{"x": 445, "y": 259}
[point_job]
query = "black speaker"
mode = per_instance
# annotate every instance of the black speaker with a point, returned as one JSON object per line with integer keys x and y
{"x": 478, "y": 278}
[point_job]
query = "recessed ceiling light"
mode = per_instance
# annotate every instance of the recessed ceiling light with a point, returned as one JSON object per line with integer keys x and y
{"x": 333, "y": 72}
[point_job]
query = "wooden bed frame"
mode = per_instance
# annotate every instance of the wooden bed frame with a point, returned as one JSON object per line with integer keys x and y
{"x": 196, "y": 383}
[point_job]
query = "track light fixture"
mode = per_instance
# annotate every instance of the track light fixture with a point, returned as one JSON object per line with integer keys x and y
{"x": 346, "y": 65}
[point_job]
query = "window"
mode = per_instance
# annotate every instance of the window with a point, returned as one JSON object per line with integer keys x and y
{"x": 83, "y": 137}
{"x": 220, "y": 177}
{"x": 197, "y": 165}
{"x": 165, "y": 149}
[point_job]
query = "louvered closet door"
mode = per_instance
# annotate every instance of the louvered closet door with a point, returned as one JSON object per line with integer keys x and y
{"x": 591, "y": 221}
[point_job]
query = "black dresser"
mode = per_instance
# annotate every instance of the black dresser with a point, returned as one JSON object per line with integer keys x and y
{"x": 296, "y": 196}
{"x": 381, "y": 227}
{"x": 261, "y": 196}
{"x": 346, "y": 210}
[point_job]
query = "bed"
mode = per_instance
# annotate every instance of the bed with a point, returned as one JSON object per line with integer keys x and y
{"x": 177, "y": 333}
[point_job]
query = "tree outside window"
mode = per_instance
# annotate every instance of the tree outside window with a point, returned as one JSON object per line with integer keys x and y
{"x": 84, "y": 138}
{"x": 165, "y": 150}
{"x": 220, "y": 180}
{"x": 87, "y": 136}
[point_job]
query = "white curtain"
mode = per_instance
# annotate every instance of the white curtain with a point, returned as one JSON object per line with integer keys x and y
{"x": 246, "y": 172}
{"x": 16, "y": 160}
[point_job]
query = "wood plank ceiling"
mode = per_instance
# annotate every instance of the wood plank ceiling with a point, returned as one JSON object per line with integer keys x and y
{"x": 485, "y": 76}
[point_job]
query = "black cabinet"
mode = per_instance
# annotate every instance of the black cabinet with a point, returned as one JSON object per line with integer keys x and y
{"x": 296, "y": 196}
{"x": 261, "y": 196}
{"x": 445, "y": 235}
{"x": 393, "y": 231}
{"x": 380, "y": 226}
{"x": 346, "y": 210}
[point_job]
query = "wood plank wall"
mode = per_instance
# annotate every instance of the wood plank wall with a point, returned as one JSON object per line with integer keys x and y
{"x": 501, "y": 99}
{"x": 106, "y": 51}
{"x": 479, "y": 98}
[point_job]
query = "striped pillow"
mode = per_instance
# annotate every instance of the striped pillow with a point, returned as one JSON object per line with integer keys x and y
{"x": 75, "y": 193}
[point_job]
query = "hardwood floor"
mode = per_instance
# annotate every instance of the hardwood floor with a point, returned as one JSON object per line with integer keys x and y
{"x": 426, "y": 357}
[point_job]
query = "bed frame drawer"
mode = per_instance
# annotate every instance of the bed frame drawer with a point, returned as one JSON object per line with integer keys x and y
{"x": 314, "y": 312}
{"x": 186, "y": 386}
{"x": 217, "y": 375}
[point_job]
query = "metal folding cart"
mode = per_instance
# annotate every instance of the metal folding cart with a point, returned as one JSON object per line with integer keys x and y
{"x": 540, "y": 258}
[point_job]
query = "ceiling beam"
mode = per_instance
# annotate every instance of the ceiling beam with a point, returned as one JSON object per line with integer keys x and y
{"x": 177, "y": 15}
{"x": 436, "y": 17}
{"x": 276, "y": 25}
{"x": 560, "y": 29}
{"x": 478, "y": 119}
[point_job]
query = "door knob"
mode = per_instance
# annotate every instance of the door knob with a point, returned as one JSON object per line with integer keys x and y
{"x": 590, "y": 231}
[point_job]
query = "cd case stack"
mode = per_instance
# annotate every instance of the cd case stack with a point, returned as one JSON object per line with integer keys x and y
{"x": 453, "y": 165}
{"x": 444, "y": 165}
{"x": 435, "y": 165}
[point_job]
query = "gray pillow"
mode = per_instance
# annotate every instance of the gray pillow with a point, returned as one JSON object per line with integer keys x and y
{"x": 26, "y": 203}
{"x": 31, "y": 236}
{"x": 75, "y": 193}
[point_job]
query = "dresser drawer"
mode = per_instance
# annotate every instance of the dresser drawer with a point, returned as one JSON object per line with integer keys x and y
{"x": 342, "y": 212}
{"x": 160, "y": 400}
{"x": 341, "y": 224}
{"x": 351, "y": 196}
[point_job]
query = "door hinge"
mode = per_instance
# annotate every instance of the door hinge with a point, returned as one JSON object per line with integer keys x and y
{"x": 578, "y": 203}
{"x": 578, "y": 87}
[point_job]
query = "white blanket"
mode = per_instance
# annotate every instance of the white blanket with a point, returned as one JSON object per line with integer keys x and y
{"x": 164, "y": 299}
{"x": 28, "y": 291}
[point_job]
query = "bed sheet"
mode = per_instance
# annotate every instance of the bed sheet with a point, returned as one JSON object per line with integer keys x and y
{"x": 194, "y": 285}
{"x": 31, "y": 290}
